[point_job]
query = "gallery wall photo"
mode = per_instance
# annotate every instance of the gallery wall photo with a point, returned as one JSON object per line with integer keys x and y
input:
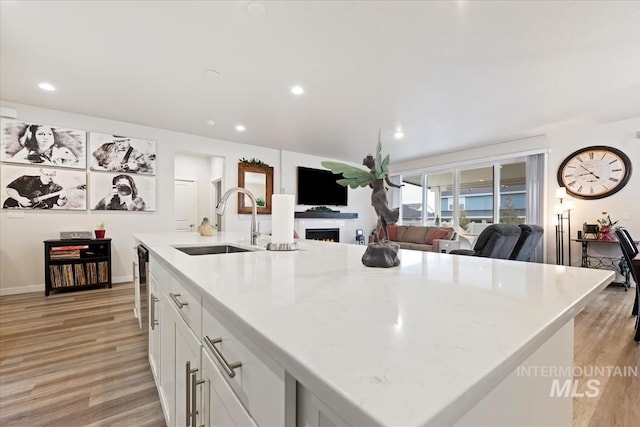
{"x": 115, "y": 153}
{"x": 42, "y": 144}
{"x": 30, "y": 187}
{"x": 122, "y": 192}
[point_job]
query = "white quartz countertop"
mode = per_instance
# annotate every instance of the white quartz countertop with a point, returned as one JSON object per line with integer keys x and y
{"x": 414, "y": 345}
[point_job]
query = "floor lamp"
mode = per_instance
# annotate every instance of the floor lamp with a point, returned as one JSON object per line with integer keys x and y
{"x": 562, "y": 212}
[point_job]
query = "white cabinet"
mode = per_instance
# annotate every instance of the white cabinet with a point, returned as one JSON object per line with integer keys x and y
{"x": 155, "y": 316}
{"x": 220, "y": 406}
{"x": 207, "y": 372}
{"x": 187, "y": 372}
{"x": 167, "y": 388}
{"x": 257, "y": 381}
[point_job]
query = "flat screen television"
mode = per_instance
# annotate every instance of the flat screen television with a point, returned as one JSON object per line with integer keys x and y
{"x": 319, "y": 187}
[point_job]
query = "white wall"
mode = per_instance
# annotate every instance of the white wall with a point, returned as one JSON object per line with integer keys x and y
{"x": 620, "y": 134}
{"x": 21, "y": 248}
{"x": 358, "y": 200}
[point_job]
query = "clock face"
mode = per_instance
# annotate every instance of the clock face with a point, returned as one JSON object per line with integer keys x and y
{"x": 594, "y": 172}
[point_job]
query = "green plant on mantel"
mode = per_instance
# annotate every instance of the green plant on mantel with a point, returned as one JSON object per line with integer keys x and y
{"x": 100, "y": 226}
{"x": 254, "y": 161}
{"x": 319, "y": 209}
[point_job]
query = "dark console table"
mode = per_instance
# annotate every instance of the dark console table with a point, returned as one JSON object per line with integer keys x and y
{"x": 617, "y": 264}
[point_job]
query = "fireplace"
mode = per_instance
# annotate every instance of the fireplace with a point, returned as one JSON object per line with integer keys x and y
{"x": 324, "y": 234}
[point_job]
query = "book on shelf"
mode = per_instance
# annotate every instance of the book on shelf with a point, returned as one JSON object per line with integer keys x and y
{"x": 92, "y": 273}
{"x": 70, "y": 254}
{"x": 103, "y": 272}
{"x": 68, "y": 248}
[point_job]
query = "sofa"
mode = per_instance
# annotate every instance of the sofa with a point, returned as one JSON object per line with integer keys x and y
{"x": 422, "y": 238}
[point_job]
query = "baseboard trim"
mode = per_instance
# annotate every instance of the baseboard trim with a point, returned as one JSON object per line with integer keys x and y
{"x": 40, "y": 288}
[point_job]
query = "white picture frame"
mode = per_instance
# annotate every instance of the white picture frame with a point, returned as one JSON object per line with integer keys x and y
{"x": 115, "y": 153}
{"x": 122, "y": 192}
{"x": 27, "y": 188}
{"x": 42, "y": 145}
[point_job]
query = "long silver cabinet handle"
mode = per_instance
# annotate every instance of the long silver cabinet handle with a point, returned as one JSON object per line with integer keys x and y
{"x": 175, "y": 299}
{"x": 152, "y": 311}
{"x": 228, "y": 367}
{"x": 194, "y": 400}
{"x": 188, "y": 375}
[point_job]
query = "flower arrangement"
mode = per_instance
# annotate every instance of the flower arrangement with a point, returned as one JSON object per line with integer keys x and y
{"x": 606, "y": 221}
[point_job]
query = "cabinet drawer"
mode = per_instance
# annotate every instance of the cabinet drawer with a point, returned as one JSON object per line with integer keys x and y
{"x": 187, "y": 302}
{"x": 258, "y": 383}
{"x": 220, "y": 406}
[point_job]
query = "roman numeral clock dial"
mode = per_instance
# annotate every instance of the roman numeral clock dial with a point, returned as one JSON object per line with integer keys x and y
{"x": 595, "y": 172}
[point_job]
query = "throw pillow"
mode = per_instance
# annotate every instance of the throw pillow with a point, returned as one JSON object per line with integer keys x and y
{"x": 437, "y": 233}
{"x": 393, "y": 233}
{"x": 415, "y": 234}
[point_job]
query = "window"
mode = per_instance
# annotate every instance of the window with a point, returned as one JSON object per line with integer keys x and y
{"x": 471, "y": 197}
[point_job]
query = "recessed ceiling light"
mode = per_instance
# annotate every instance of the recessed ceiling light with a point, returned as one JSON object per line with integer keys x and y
{"x": 240, "y": 128}
{"x": 297, "y": 90}
{"x": 256, "y": 9}
{"x": 46, "y": 86}
{"x": 212, "y": 73}
{"x": 211, "y": 122}
{"x": 398, "y": 135}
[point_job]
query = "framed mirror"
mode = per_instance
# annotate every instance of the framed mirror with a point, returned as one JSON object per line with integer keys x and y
{"x": 258, "y": 180}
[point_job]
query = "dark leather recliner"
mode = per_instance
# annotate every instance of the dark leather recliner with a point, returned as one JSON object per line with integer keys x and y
{"x": 495, "y": 241}
{"x": 529, "y": 239}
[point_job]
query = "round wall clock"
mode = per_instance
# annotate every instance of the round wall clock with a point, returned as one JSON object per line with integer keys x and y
{"x": 594, "y": 172}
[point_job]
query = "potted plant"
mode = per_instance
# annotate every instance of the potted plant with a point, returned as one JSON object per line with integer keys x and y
{"x": 100, "y": 231}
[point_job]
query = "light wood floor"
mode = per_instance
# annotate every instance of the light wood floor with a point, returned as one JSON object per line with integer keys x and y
{"x": 79, "y": 359}
{"x": 604, "y": 333}
{"x": 75, "y": 359}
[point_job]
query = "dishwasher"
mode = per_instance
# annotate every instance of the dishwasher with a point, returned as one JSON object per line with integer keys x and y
{"x": 140, "y": 282}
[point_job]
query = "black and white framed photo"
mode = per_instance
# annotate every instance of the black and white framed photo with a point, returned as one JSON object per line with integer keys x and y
{"x": 122, "y": 192}
{"x": 29, "y": 187}
{"x": 116, "y": 153}
{"x": 41, "y": 144}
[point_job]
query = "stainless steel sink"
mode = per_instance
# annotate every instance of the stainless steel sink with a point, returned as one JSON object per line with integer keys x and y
{"x": 211, "y": 250}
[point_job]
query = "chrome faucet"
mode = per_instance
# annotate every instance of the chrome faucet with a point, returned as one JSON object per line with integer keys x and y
{"x": 254, "y": 211}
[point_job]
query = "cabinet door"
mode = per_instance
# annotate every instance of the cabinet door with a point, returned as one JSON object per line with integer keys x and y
{"x": 187, "y": 364}
{"x": 155, "y": 321}
{"x": 168, "y": 360}
{"x": 220, "y": 406}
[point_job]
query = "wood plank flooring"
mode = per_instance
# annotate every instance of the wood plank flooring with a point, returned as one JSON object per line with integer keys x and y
{"x": 79, "y": 359}
{"x": 75, "y": 359}
{"x": 604, "y": 333}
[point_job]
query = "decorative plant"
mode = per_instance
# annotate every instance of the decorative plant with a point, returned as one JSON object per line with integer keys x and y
{"x": 254, "y": 161}
{"x": 100, "y": 226}
{"x": 320, "y": 208}
{"x": 606, "y": 221}
{"x": 260, "y": 202}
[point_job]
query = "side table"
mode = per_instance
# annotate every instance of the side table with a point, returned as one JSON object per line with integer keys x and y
{"x": 617, "y": 264}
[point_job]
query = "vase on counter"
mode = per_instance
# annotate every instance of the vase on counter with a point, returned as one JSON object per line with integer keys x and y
{"x": 205, "y": 228}
{"x": 605, "y": 233}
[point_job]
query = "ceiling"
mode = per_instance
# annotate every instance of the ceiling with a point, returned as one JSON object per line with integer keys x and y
{"x": 450, "y": 75}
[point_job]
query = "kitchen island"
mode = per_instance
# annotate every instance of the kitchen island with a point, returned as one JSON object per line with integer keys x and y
{"x": 435, "y": 341}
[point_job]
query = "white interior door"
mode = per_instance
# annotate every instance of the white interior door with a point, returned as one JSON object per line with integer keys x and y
{"x": 186, "y": 198}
